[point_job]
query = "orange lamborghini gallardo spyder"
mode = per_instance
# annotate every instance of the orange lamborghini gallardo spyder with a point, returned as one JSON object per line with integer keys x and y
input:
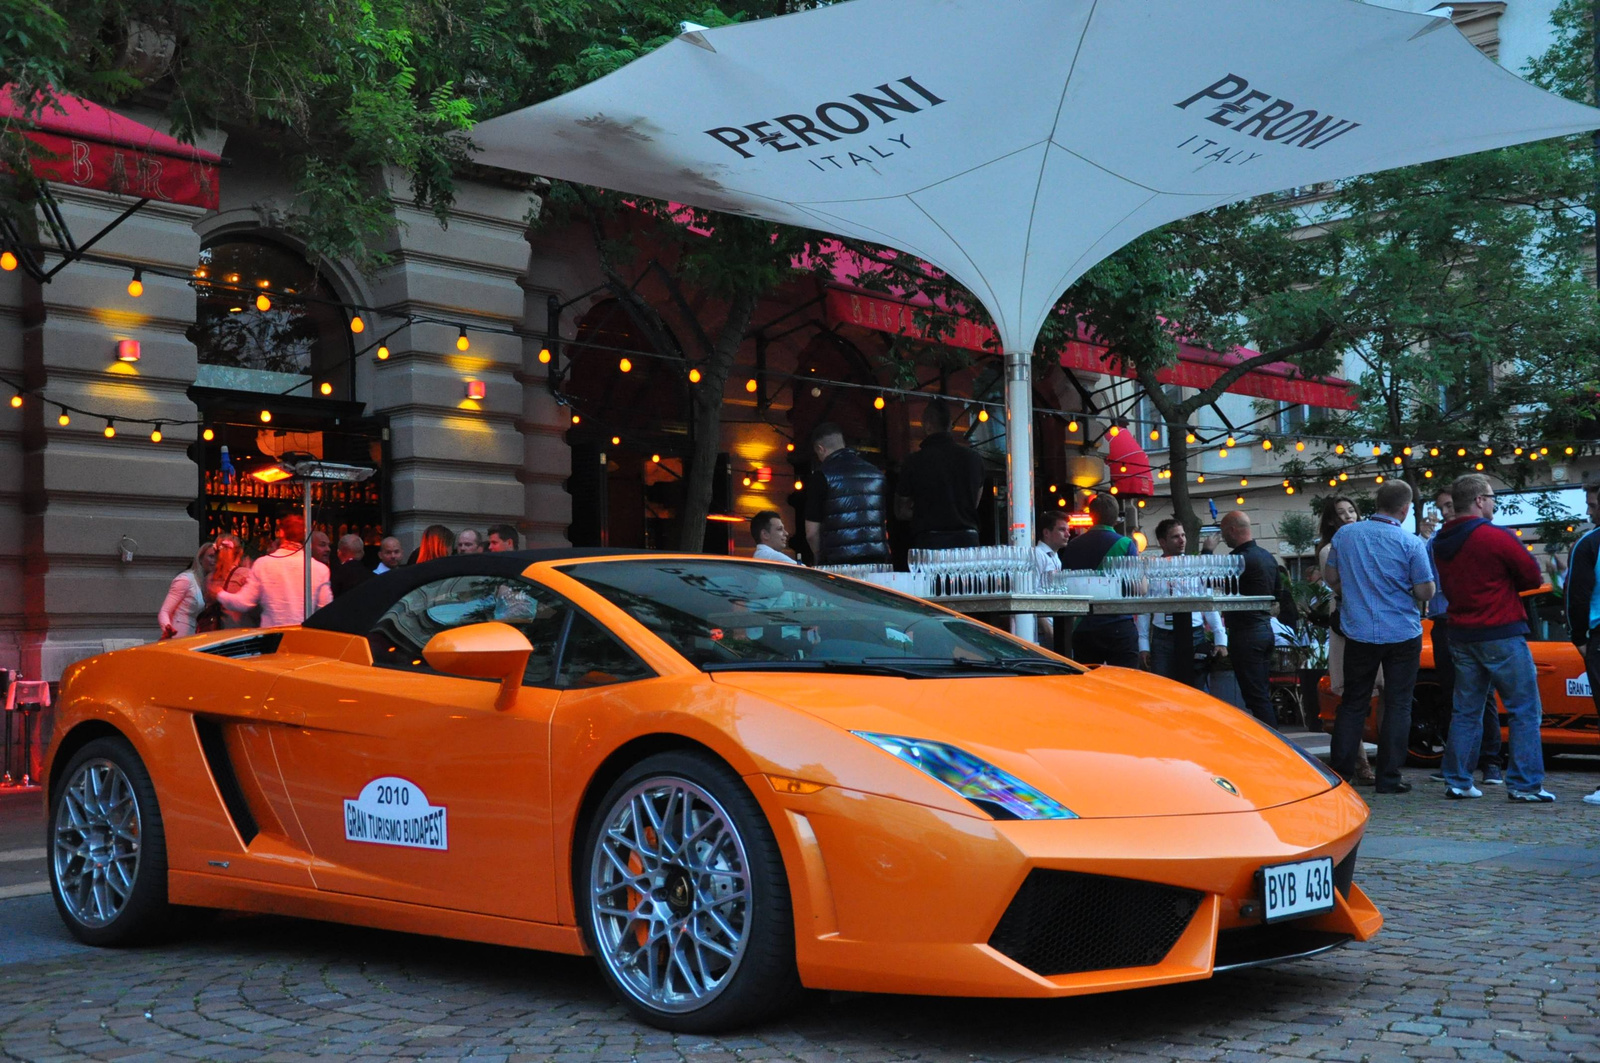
{"x": 727, "y": 780}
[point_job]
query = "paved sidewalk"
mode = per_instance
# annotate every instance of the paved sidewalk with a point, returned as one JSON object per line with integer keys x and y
{"x": 1491, "y": 953}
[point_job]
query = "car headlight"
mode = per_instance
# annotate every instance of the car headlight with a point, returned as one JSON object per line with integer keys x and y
{"x": 998, "y": 792}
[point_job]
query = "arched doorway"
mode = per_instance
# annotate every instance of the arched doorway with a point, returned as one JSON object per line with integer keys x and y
{"x": 629, "y": 436}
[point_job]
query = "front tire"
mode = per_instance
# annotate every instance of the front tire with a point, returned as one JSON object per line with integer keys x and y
{"x": 108, "y": 853}
{"x": 683, "y": 896}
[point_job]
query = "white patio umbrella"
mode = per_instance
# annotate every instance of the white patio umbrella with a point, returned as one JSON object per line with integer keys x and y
{"x": 1015, "y": 143}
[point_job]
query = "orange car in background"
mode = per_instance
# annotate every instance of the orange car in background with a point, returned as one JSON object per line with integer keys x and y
{"x": 727, "y": 780}
{"x": 1570, "y": 724}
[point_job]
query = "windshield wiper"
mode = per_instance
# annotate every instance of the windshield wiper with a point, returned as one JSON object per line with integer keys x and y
{"x": 844, "y": 667}
{"x": 1003, "y": 665}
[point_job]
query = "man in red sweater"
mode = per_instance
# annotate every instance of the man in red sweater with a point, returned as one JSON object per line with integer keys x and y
{"x": 1483, "y": 568}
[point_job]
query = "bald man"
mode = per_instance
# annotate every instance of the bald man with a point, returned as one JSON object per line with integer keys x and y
{"x": 1250, "y": 634}
{"x": 351, "y": 569}
{"x": 390, "y": 555}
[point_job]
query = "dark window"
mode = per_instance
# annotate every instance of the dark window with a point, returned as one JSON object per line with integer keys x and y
{"x": 302, "y": 330}
{"x": 593, "y": 657}
{"x": 401, "y": 633}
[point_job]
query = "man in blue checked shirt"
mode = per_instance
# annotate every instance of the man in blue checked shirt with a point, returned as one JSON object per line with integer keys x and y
{"x": 1381, "y": 573}
{"x": 1583, "y": 602}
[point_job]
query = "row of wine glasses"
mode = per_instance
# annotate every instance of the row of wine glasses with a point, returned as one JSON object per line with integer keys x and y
{"x": 1186, "y": 576}
{"x": 967, "y": 571}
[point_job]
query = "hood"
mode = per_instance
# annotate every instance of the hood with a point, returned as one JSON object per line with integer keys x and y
{"x": 1111, "y": 743}
{"x": 1453, "y": 536}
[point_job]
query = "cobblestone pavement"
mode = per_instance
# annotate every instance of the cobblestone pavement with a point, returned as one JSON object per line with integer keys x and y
{"x": 1492, "y": 952}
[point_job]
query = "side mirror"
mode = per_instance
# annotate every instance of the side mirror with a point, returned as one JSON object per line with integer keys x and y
{"x": 483, "y": 651}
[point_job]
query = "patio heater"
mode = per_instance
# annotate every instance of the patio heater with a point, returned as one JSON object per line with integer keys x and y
{"x": 308, "y": 471}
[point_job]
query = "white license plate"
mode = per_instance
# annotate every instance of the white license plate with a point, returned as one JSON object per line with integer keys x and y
{"x": 1289, "y": 891}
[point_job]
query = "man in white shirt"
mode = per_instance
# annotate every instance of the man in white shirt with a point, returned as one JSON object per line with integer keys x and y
{"x": 1155, "y": 630}
{"x": 277, "y": 580}
{"x": 771, "y": 537}
{"x": 1054, "y": 531}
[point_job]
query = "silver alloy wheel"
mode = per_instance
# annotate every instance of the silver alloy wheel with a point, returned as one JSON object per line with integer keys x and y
{"x": 95, "y": 851}
{"x": 669, "y": 890}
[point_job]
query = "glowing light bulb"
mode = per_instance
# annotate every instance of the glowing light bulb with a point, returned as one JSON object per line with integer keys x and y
{"x": 1378, "y": 478}
{"x": 1488, "y": 452}
{"x": 1399, "y": 460}
{"x": 1427, "y": 474}
{"x": 576, "y": 419}
{"x": 63, "y": 420}
{"x": 1461, "y": 452}
{"x": 1200, "y": 479}
{"x": 1115, "y": 431}
{"x": 1155, "y": 435}
{"x": 1238, "y": 500}
{"x": 1288, "y": 490}
{"x": 1569, "y": 451}
{"x": 694, "y": 376}
{"x": 462, "y": 343}
{"x": 789, "y": 447}
{"x": 1433, "y": 452}
{"x": 626, "y": 365}
{"x": 326, "y": 388}
{"x": 263, "y": 304}
{"x": 1343, "y": 477}
{"x": 266, "y": 416}
{"x": 544, "y": 356}
{"x": 747, "y": 481}
{"x": 136, "y": 286}
{"x": 616, "y": 441}
{"x": 1113, "y": 490}
{"x": 751, "y": 386}
{"x": 877, "y": 403}
{"x": 1266, "y": 444}
{"x": 1189, "y": 438}
{"x": 1338, "y": 448}
{"x": 8, "y": 261}
{"x": 383, "y": 352}
{"x": 1244, "y": 483}
{"x": 16, "y": 402}
{"x": 357, "y": 325}
{"x": 208, "y": 435}
{"x": 110, "y": 430}
{"x": 1406, "y": 452}
{"x": 1479, "y": 466}
{"x": 1222, "y": 453}
{"x": 1072, "y": 426}
{"x": 155, "y": 435}
{"x": 1299, "y": 445}
{"x": 983, "y": 415}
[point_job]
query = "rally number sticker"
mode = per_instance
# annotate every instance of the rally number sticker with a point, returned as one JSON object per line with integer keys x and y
{"x": 395, "y": 811}
{"x": 1579, "y": 687}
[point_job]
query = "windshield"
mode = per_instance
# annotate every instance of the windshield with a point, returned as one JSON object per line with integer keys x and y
{"x": 731, "y": 614}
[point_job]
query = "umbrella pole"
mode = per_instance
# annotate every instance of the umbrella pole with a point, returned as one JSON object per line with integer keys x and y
{"x": 1019, "y": 464}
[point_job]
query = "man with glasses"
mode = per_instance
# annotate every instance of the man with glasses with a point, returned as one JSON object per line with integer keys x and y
{"x": 1484, "y": 569}
{"x": 1156, "y": 638}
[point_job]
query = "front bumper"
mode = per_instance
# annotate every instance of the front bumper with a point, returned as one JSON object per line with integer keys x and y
{"x": 891, "y": 897}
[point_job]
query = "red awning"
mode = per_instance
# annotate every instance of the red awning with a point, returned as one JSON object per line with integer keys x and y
{"x": 89, "y": 146}
{"x": 1128, "y": 464}
{"x": 1197, "y": 367}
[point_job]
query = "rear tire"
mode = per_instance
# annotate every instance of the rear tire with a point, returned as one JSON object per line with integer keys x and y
{"x": 107, "y": 848}
{"x": 683, "y": 896}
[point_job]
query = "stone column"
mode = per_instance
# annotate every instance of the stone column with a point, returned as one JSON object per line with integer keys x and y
{"x": 454, "y": 460}
{"x": 75, "y": 496}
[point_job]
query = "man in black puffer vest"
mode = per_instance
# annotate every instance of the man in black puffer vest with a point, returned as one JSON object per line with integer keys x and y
{"x": 846, "y": 519}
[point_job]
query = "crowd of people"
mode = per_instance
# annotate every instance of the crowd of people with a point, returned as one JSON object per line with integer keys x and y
{"x": 226, "y": 588}
{"x": 1379, "y": 581}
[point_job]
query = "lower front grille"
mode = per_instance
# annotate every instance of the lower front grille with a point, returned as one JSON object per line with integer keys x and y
{"x": 1064, "y": 922}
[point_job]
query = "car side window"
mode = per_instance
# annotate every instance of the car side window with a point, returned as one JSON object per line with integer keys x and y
{"x": 398, "y": 638}
{"x": 593, "y": 657}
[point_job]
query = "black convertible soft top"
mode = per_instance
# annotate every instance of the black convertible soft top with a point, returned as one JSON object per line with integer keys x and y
{"x": 358, "y": 609}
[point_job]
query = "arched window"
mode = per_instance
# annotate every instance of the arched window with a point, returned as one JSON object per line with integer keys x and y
{"x": 303, "y": 332}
